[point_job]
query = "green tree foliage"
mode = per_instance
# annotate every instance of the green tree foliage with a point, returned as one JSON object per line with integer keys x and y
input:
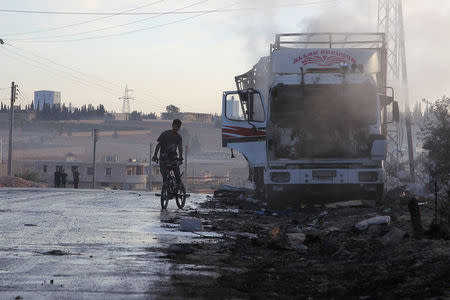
{"x": 172, "y": 112}
{"x": 30, "y": 176}
{"x": 61, "y": 112}
{"x": 437, "y": 140}
{"x": 135, "y": 116}
{"x": 172, "y": 109}
{"x": 151, "y": 116}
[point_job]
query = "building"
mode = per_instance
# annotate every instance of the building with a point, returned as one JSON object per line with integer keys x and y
{"x": 188, "y": 116}
{"x": 129, "y": 175}
{"x": 232, "y": 108}
{"x": 46, "y": 97}
{"x": 117, "y": 116}
{"x": 19, "y": 116}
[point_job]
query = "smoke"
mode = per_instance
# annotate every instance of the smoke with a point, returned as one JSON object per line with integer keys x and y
{"x": 426, "y": 37}
{"x": 257, "y": 28}
{"x": 353, "y": 17}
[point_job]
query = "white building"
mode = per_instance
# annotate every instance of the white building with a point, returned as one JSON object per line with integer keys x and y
{"x": 233, "y": 108}
{"x": 46, "y": 97}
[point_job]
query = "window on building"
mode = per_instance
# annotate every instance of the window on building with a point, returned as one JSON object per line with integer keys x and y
{"x": 129, "y": 171}
{"x": 90, "y": 171}
{"x": 139, "y": 170}
{"x": 108, "y": 171}
{"x": 45, "y": 168}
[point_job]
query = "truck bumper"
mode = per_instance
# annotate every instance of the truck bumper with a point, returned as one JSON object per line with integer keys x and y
{"x": 322, "y": 193}
{"x": 324, "y": 176}
{"x": 323, "y": 185}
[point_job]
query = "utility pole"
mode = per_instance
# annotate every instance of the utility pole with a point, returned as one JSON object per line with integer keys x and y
{"x": 126, "y": 101}
{"x": 95, "y": 135}
{"x": 150, "y": 169}
{"x": 11, "y": 124}
{"x": 390, "y": 21}
{"x": 406, "y": 94}
{"x": 427, "y": 108}
{"x": 186, "y": 168}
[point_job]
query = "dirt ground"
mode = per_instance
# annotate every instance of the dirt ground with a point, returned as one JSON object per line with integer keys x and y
{"x": 11, "y": 181}
{"x": 314, "y": 253}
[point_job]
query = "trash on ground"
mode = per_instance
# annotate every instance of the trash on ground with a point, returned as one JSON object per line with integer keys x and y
{"x": 363, "y": 225}
{"x": 191, "y": 224}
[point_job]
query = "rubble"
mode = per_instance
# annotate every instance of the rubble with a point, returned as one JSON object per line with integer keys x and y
{"x": 317, "y": 254}
{"x": 191, "y": 224}
{"x": 363, "y": 225}
{"x": 17, "y": 182}
{"x": 180, "y": 249}
{"x": 394, "y": 236}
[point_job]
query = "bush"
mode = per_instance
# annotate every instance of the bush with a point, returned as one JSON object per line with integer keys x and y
{"x": 436, "y": 140}
{"x": 30, "y": 176}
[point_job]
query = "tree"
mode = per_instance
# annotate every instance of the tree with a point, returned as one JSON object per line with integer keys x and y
{"x": 151, "y": 116}
{"x": 437, "y": 140}
{"x": 135, "y": 116}
{"x": 172, "y": 109}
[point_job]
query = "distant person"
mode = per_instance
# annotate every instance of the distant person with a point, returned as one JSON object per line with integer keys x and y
{"x": 57, "y": 178}
{"x": 63, "y": 178}
{"x": 169, "y": 142}
{"x": 76, "y": 178}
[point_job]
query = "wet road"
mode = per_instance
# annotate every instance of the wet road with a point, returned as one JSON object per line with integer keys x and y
{"x": 86, "y": 244}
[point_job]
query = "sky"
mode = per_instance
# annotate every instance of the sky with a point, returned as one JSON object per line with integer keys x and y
{"x": 183, "y": 58}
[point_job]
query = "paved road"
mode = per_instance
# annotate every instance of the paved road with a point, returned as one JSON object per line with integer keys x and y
{"x": 106, "y": 238}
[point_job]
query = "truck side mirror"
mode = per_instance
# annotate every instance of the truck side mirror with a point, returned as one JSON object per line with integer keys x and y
{"x": 395, "y": 111}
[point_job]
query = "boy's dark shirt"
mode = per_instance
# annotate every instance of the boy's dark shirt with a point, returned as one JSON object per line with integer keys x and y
{"x": 169, "y": 144}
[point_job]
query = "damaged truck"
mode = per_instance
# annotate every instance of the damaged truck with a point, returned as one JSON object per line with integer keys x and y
{"x": 311, "y": 118}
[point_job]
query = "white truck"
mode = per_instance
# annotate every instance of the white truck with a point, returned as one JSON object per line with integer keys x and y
{"x": 311, "y": 117}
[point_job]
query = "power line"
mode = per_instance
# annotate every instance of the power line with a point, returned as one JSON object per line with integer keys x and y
{"x": 109, "y": 27}
{"x": 112, "y": 86}
{"x": 42, "y": 66}
{"x": 84, "y": 22}
{"x": 199, "y": 13}
{"x": 152, "y": 13}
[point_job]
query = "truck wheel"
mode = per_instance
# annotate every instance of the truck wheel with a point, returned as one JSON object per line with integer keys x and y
{"x": 258, "y": 179}
{"x": 379, "y": 195}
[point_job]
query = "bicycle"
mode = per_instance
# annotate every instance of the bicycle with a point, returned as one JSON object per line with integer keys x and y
{"x": 171, "y": 190}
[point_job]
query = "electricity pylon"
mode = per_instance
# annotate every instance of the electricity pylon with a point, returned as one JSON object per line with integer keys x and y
{"x": 390, "y": 21}
{"x": 126, "y": 101}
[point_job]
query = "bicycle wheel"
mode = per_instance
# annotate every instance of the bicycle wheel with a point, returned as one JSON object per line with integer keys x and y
{"x": 181, "y": 196}
{"x": 164, "y": 196}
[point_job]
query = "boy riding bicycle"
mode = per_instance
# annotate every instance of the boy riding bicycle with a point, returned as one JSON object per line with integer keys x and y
{"x": 169, "y": 142}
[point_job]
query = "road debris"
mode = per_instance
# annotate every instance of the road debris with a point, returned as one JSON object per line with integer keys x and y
{"x": 56, "y": 252}
{"x": 315, "y": 253}
{"x": 11, "y": 181}
{"x": 377, "y": 220}
{"x": 191, "y": 224}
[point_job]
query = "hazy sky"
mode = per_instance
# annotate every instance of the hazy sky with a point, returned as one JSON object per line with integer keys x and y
{"x": 188, "y": 59}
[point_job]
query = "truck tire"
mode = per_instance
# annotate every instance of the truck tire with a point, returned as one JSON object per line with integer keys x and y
{"x": 258, "y": 179}
{"x": 379, "y": 195}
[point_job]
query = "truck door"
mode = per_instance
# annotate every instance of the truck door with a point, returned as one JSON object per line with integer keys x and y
{"x": 244, "y": 125}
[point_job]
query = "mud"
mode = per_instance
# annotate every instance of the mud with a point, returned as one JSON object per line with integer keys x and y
{"x": 314, "y": 253}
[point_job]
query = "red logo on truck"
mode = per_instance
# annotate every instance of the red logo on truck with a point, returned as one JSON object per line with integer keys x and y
{"x": 324, "y": 58}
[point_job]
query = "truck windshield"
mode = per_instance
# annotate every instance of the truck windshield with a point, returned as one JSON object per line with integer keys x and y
{"x": 322, "y": 120}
